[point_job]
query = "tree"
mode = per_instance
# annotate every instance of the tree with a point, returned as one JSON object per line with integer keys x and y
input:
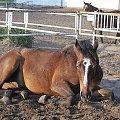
{"x": 9, "y": 1}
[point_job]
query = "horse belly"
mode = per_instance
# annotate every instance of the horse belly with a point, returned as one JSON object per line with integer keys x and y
{"x": 37, "y": 78}
{"x": 37, "y": 85}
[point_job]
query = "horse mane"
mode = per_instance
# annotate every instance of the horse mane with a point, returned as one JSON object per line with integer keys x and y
{"x": 94, "y": 8}
{"x": 88, "y": 51}
{"x": 86, "y": 46}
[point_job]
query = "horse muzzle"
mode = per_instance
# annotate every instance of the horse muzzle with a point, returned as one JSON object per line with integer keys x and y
{"x": 85, "y": 97}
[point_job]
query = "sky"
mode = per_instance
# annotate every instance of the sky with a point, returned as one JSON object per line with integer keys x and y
{"x": 34, "y": 1}
{"x": 38, "y": 1}
{"x": 42, "y": 2}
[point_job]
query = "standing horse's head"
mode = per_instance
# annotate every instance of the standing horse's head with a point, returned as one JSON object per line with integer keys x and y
{"x": 87, "y": 60}
{"x": 89, "y": 8}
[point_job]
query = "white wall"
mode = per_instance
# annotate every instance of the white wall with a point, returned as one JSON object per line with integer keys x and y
{"x": 110, "y": 4}
{"x": 74, "y": 3}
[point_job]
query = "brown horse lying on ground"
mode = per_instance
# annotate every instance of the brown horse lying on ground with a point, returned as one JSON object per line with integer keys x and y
{"x": 90, "y": 8}
{"x": 68, "y": 72}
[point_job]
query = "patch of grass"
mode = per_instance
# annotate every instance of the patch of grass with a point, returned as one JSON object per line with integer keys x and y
{"x": 22, "y": 41}
{"x": 3, "y": 31}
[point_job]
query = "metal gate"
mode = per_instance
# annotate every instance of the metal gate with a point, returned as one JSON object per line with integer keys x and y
{"x": 105, "y": 22}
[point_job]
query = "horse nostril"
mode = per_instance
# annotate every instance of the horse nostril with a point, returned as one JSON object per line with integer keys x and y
{"x": 89, "y": 95}
{"x": 85, "y": 96}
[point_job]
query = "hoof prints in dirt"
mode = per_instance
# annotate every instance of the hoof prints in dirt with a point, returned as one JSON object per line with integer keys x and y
{"x": 31, "y": 110}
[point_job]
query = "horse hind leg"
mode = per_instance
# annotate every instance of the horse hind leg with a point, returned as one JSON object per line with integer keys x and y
{"x": 11, "y": 89}
{"x": 9, "y": 64}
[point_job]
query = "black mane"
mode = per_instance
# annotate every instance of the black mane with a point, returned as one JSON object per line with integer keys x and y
{"x": 88, "y": 50}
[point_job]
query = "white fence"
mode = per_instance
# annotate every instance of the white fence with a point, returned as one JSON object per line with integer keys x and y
{"x": 26, "y": 25}
{"x": 106, "y": 22}
{"x": 109, "y": 23}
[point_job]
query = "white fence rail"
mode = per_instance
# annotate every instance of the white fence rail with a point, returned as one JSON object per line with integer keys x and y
{"x": 26, "y": 25}
{"x": 106, "y": 22}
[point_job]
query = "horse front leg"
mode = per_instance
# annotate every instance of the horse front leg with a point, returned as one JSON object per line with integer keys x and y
{"x": 102, "y": 94}
{"x": 60, "y": 87}
{"x": 98, "y": 92}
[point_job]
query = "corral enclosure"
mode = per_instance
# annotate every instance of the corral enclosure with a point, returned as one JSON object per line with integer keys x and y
{"x": 109, "y": 55}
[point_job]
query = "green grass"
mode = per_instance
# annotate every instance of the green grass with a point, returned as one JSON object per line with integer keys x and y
{"x": 22, "y": 41}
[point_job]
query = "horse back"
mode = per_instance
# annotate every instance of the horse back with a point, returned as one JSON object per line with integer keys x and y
{"x": 49, "y": 60}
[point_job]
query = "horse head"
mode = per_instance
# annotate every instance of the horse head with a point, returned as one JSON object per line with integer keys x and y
{"x": 89, "y": 8}
{"x": 87, "y": 61}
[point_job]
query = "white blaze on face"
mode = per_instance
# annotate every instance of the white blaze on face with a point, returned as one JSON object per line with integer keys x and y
{"x": 86, "y": 63}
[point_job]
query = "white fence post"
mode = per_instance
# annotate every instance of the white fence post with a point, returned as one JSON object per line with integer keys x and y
{"x": 118, "y": 23}
{"x": 6, "y": 21}
{"x": 9, "y": 21}
{"x": 77, "y": 21}
{"x": 26, "y": 20}
{"x": 94, "y": 24}
{"x": 80, "y": 22}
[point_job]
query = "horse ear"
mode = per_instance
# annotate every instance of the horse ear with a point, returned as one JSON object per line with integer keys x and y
{"x": 95, "y": 45}
{"x": 77, "y": 48}
{"x": 84, "y": 2}
{"x": 77, "y": 45}
{"x": 90, "y": 3}
{"x": 76, "y": 42}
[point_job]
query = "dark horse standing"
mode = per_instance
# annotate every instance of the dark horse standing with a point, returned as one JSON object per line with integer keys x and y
{"x": 90, "y": 8}
{"x": 65, "y": 72}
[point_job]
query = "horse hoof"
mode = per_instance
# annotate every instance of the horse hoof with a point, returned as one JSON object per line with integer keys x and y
{"x": 6, "y": 100}
{"x": 110, "y": 96}
{"x": 24, "y": 94}
{"x": 43, "y": 99}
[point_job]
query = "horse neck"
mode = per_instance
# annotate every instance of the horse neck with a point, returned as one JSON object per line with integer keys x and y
{"x": 95, "y": 8}
{"x": 68, "y": 48}
{"x": 91, "y": 8}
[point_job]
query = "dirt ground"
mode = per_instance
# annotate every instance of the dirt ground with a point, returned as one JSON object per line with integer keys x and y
{"x": 30, "y": 109}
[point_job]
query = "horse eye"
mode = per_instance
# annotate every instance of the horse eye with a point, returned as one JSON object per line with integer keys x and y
{"x": 84, "y": 63}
